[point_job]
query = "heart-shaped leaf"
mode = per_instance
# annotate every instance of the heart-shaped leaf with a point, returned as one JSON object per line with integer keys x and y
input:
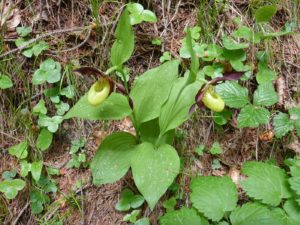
{"x": 154, "y": 170}
{"x": 10, "y": 188}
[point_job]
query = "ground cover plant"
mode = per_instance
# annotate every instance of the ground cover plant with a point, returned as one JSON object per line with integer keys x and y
{"x": 228, "y": 82}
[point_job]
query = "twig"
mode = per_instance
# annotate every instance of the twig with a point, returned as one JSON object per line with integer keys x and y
{"x": 77, "y": 46}
{"x": 20, "y": 214}
{"x": 22, "y": 47}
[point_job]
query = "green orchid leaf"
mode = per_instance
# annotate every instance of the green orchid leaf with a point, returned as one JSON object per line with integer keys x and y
{"x": 154, "y": 170}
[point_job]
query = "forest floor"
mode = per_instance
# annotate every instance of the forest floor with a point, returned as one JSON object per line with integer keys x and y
{"x": 77, "y": 201}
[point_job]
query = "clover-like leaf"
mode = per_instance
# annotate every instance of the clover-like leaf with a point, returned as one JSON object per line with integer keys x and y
{"x": 20, "y": 150}
{"x": 265, "y": 182}
{"x": 214, "y": 196}
{"x": 5, "y": 82}
{"x": 10, "y": 188}
{"x": 129, "y": 200}
{"x": 253, "y": 116}
{"x": 37, "y": 201}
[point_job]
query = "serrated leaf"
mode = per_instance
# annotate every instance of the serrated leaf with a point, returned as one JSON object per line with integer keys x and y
{"x": 253, "y": 116}
{"x": 233, "y": 94}
{"x": 265, "y": 13}
{"x": 265, "y": 95}
{"x": 115, "y": 107}
{"x": 124, "y": 43}
{"x": 5, "y": 82}
{"x": 112, "y": 159}
{"x": 154, "y": 170}
{"x": 282, "y": 124}
{"x": 252, "y": 214}
{"x": 44, "y": 140}
{"x": 184, "y": 216}
{"x": 158, "y": 81}
{"x": 295, "y": 117}
{"x": 214, "y": 196}
{"x": 19, "y": 150}
{"x": 265, "y": 182}
{"x": 294, "y": 180}
{"x": 10, "y": 188}
{"x": 292, "y": 208}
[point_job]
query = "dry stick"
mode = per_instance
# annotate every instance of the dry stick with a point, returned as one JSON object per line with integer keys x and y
{"x": 20, "y": 214}
{"x": 75, "y": 47}
{"x": 22, "y": 47}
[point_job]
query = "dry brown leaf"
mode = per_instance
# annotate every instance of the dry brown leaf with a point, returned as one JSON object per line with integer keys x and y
{"x": 9, "y": 16}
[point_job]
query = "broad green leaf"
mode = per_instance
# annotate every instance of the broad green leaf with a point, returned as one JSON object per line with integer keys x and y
{"x": 234, "y": 55}
{"x": 265, "y": 95}
{"x": 5, "y": 82}
{"x": 234, "y": 95}
{"x": 149, "y": 132}
{"x": 176, "y": 109}
{"x": 124, "y": 43}
{"x": 36, "y": 169}
{"x": 292, "y": 208}
{"x": 265, "y": 13}
{"x": 154, "y": 170}
{"x": 194, "y": 59}
{"x": 294, "y": 180}
{"x": 231, "y": 44}
{"x": 184, "y": 216}
{"x": 158, "y": 82}
{"x": 239, "y": 66}
{"x": 28, "y": 52}
{"x": 170, "y": 204}
{"x": 282, "y": 124}
{"x": 214, "y": 196}
{"x": 10, "y": 188}
{"x": 264, "y": 75}
{"x": 44, "y": 139}
{"x": 19, "y": 150}
{"x": 115, "y": 107}
{"x": 265, "y": 182}
{"x": 149, "y": 16}
{"x": 252, "y": 214}
{"x": 253, "y": 116}
{"x": 112, "y": 160}
{"x": 135, "y": 8}
{"x": 295, "y": 117}
{"x": 281, "y": 218}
